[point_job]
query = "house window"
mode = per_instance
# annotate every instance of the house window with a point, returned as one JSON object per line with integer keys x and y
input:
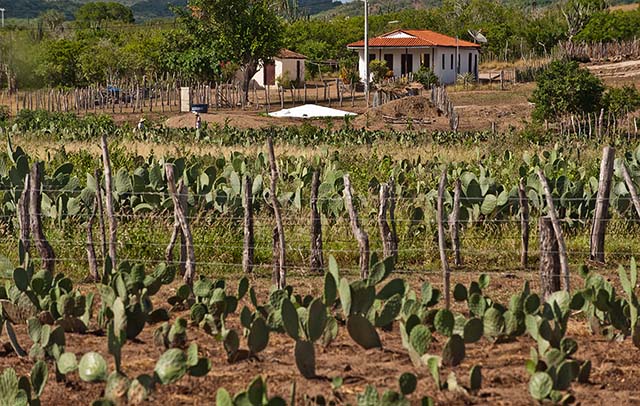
{"x": 451, "y": 61}
{"x": 406, "y": 63}
{"x": 469, "y": 64}
{"x": 443, "y": 67}
{"x": 426, "y": 61}
{"x": 389, "y": 60}
{"x": 372, "y": 57}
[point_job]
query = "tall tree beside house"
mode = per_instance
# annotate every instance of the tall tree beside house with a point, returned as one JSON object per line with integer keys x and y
{"x": 246, "y": 31}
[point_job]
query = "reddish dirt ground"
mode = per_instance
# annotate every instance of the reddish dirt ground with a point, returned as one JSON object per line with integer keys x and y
{"x": 614, "y": 377}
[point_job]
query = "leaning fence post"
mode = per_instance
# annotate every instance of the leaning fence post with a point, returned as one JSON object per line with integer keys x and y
{"x": 632, "y": 188}
{"x": 248, "y": 243}
{"x": 454, "y": 224}
{"x": 446, "y": 272}
{"x": 35, "y": 218}
{"x": 601, "y": 212}
{"x": 358, "y": 232}
{"x": 280, "y": 274}
{"x": 317, "y": 261}
{"x": 524, "y": 223}
{"x": 562, "y": 248}
{"x": 106, "y": 161}
{"x": 190, "y": 265}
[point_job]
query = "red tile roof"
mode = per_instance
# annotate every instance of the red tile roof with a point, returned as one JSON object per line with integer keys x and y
{"x": 288, "y": 54}
{"x": 418, "y": 38}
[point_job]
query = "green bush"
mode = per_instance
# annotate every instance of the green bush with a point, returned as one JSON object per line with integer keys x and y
{"x": 619, "y": 100}
{"x": 379, "y": 70}
{"x": 4, "y": 113}
{"x": 565, "y": 88}
{"x": 426, "y": 77}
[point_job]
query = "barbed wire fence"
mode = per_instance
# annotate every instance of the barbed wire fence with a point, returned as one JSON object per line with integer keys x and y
{"x": 493, "y": 245}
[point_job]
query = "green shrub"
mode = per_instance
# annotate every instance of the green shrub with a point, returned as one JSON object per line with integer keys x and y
{"x": 619, "y": 100}
{"x": 565, "y": 88}
{"x": 426, "y": 77}
{"x": 4, "y": 113}
{"x": 379, "y": 70}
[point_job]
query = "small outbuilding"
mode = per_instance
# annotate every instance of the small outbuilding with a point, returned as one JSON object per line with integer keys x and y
{"x": 405, "y": 51}
{"x": 286, "y": 65}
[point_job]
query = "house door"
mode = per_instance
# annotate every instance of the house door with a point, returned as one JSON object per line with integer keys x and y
{"x": 269, "y": 74}
{"x": 407, "y": 64}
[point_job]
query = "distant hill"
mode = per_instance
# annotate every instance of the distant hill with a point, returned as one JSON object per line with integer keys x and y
{"x": 311, "y": 7}
{"x": 142, "y": 9}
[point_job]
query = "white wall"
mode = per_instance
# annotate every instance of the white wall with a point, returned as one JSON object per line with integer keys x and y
{"x": 446, "y": 75}
{"x": 282, "y": 65}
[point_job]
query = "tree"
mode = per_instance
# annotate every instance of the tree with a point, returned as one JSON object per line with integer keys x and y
{"x": 53, "y": 21}
{"x": 565, "y": 88}
{"x": 59, "y": 64}
{"x": 245, "y": 31}
{"x": 577, "y": 13}
{"x": 92, "y": 15}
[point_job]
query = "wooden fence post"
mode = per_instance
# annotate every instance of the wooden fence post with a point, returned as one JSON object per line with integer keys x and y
{"x": 103, "y": 238}
{"x": 601, "y": 213}
{"x": 177, "y": 231}
{"x": 280, "y": 274}
{"x": 392, "y": 218}
{"x": 632, "y": 188}
{"x": 385, "y": 230}
{"x": 524, "y": 223}
{"x": 248, "y": 243}
{"x": 106, "y": 161}
{"x": 317, "y": 260}
{"x": 454, "y": 224}
{"x": 35, "y": 218}
{"x": 358, "y": 232}
{"x": 549, "y": 258}
{"x": 446, "y": 272}
{"x": 190, "y": 265}
{"x": 91, "y": 251}
{"x": 23, "y": 216}
{"x": 562, "y": 248}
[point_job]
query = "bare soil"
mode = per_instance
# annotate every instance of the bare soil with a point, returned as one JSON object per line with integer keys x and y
{"x": 614, "y": 378}
{"x": 415, "y": 112}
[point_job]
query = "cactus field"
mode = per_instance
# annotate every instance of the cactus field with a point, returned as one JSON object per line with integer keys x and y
{"x": 230, "y": 274}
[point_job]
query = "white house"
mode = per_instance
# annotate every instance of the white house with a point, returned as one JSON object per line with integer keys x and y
{"x": 406, "y": 50}
{"x": 287, "y": 63}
